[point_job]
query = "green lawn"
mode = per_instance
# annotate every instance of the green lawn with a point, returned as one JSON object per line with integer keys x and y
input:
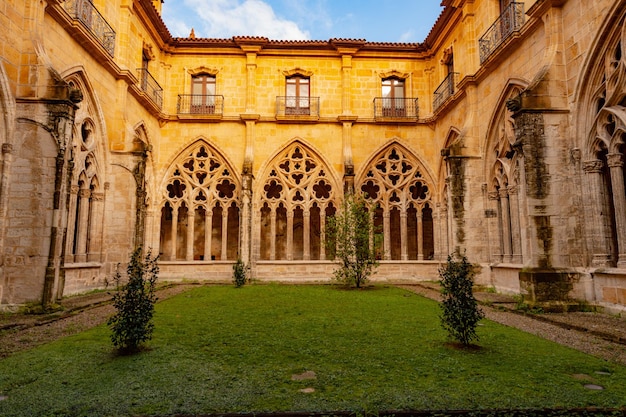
{"x": 222, "y": 349}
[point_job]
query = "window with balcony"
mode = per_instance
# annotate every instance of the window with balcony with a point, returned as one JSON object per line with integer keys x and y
{"x": 510, "y": 21}
{"x": 297, "y": 95}
{"x": 393, "y": 104}
{"x": 202, "y": 94}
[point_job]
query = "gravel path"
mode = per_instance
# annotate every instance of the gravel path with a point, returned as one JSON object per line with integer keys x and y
{"x": 597, "y": 334}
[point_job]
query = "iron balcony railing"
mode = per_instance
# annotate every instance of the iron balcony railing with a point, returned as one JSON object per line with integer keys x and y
{"x": 445, "y": 90}
{"x": 86, "y": 13}
{"x": 510, "y": 21}
{"x": 150, "y": 86}
{"x": 287, "y": 106}
{"x": 397, "y": 108}
{"x": 200, "y": 104}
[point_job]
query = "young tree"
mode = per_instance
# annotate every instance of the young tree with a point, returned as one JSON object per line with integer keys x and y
{"x": 459, "y": 310}
{"x": 350, "y": 234}
{"x": 239, "y": 273}
{"x": 132, "y": 324}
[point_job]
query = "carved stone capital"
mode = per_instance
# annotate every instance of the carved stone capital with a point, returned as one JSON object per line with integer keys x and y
{"x": 615, "y": 160}
{"x": 7, "y": 148}
{"x": 84, "y": 193}
{"x": 593, "y": 166}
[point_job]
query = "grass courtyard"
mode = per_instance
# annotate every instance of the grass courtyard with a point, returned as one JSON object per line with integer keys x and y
{"x": 218, "y": 349}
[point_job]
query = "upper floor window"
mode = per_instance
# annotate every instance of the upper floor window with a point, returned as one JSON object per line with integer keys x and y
{"x": 203, "y": 94}
{"x": 393, "y": 97}
{"x": 297, "y": 92}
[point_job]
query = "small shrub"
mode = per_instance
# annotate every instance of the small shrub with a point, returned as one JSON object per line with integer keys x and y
{"x": 239, "y": 273}
{"x": 352, "y": 242}
{"x": 132, "y": 324}
{"x": 460, "y": 313}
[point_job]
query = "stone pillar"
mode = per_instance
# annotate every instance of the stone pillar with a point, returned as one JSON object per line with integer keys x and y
{"x": 346, "y": 84}
{"x": 506, "y": 224}
{"x": 616, "y": 165}
{"x": 191, "y": 224}
{"x": 71, "y": 224}
{"x": 7, "y": 159}
{"x": 251, "y": 82}
{"x": 420, "y": 234}
{"x": 516, "y": 241}
{"x": 437, "y": 235}
{"x": 95, "y": 236}
{"x": 322, "y": 233}
{"x": 495, "y": 197}
{"x": 596, "y": 217}
{"x": 208, "y": 233}
{"x": 306, "y": 247}
{"x": 174, "y": 233}
{"x": 224, "y": 233}
{"x": 387, "y": 235}
{"x": 245, "y": 235}
{"x": 404, "y": 236}
{"x": 272, "y": 233}
{"x": 289, "y": 235}
{"x": 84, "y": 196}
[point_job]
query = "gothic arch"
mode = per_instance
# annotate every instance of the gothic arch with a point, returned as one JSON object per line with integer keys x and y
{"x": 601, "y": 134}
{"x": 296, "y": 194}
{"x": 85, "y": 238}
{"x": 504, "y": 171}
{"x": 401, "y": 188}
{"x": 200, "y": 204}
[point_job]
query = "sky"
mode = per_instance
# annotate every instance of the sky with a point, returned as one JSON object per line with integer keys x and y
{"x": 372, "y": 20}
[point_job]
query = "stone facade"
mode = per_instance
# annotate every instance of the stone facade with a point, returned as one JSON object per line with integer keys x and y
{"x": 501, "y": 135}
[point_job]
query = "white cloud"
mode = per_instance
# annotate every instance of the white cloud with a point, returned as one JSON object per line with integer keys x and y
{"x": 227, "y": 18}
{"x": 408, "y": 36}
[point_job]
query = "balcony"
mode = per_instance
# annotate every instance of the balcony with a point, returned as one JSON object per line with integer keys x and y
{"x": 150, "y": 86}
{"x": 297, "y": 108}
{"x": 445, "y": 90}
{"x": 509, "y": 22}
{"x": 395, "y": 109}
{"x": 200, "y": 105}
{"x": 87, "y": 14}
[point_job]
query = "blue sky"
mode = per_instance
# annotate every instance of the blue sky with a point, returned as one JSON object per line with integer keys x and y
{"x": 373, "y": 20}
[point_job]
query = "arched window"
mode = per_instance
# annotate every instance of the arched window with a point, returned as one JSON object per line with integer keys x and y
{"x": 394, "y": 183}
{"x": 203, "y": 94}
{"x": 296, "y": 199}
{"x": 200, "y": 209}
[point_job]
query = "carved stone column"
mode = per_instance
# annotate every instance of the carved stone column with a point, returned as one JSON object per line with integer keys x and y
{"x": 322, "y": 234}
{"x": 404, "y": 253}
{"x": 616, "y": 165}
{"x": 506, "y": 224}
{"x": 596, "y": 219}
{"x": 494, "y": 196}
{"x": 272, "y": 234}
{"x": 289, "y": 235}
{"x": 191, "y": 224}
{"x": 516, "y": 241}
{"x": 84, "y": 196}
{"x": 387, "y": 235}
{"x": 420, "y": 234}
{"x": 95, "y": 236}
{"x": 173, "y": 246}
{"x": 208, "y": 233}
{"x": 306, "y": 227}
{"x": 224, "y": 234}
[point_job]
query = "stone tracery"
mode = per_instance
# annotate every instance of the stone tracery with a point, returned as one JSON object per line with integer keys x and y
{"x": 200, "y": 209}
{"x": 296, "y": 198}
{"x": 395, "y": 185}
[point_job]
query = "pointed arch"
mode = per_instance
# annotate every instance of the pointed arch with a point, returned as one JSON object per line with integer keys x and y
{"x": 89, "y": 160}
{"x": 401, "y": 188}
{"x": 296, "y": 194}
{"x": 504, "y": 171}
{"x": 601, "y": 135}
{"x": 200, "y": 202}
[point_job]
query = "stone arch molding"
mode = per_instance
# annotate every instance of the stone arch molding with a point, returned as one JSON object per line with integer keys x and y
{"x": 601, "y": 137}
{"x": 200, "y": 176}
{"x": 297, "y": 176}
{"x": 400, "y": 191}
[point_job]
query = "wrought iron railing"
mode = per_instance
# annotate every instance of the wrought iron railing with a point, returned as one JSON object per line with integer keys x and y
{"x": 510, "y": 21}
{"x": 200, "y": 104}
{"x": 445, "y": 90}
{"x": 287, "y": 106}
{"x": 150, "y": 86}
{"x": 86, "y": 13}
{"x": 397, "y": 108}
